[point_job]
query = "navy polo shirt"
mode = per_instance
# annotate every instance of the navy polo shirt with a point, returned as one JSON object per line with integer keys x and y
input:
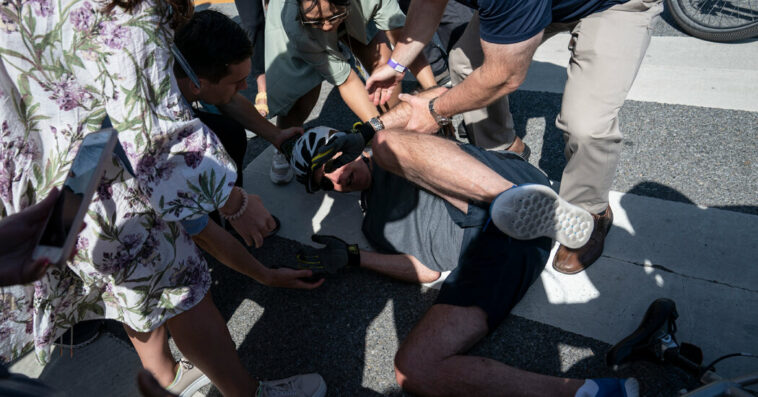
{"x": 513, "y": 21}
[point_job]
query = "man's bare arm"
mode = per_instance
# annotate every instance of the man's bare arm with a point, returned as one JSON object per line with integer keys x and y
{"x": 420, "y": 66}
{"x": 504, "y": 69}
{"x": 244, "y": 112}
{"x": 423, "y": 18}
{"x": 402, "y": 267}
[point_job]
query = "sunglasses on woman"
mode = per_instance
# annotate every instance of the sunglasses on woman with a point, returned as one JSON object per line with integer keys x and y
{"x": 340, "y": 15}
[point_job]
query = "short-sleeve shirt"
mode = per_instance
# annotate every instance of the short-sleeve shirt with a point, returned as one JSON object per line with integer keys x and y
{"x": 299, "y": 58}
{"x": 513, "y": 21}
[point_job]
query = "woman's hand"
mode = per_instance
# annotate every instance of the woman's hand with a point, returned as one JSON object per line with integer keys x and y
{"x": 19, "y": 234}
{"x": 255, "y": 223}
{"x": 382, "y": 83}
{"x": 290, "y": 278}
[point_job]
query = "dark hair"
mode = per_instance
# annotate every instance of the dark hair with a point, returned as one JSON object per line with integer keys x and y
{"x": 211, "y": 42}
{"x": 177, "y": 13}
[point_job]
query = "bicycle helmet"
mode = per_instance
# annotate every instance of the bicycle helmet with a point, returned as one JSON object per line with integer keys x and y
{"x": 305, "y": 149}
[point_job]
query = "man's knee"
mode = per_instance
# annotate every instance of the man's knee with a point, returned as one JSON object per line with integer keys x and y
{"x": 582, "y": 128}
{"x": 413, "y": 371}
{"x": 381, "y": 144}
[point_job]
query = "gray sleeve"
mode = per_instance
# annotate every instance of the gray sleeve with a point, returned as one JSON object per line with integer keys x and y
{"x": 387, "y": 14}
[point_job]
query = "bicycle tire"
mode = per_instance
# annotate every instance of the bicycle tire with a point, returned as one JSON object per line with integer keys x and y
{"x": 689, "y": 22}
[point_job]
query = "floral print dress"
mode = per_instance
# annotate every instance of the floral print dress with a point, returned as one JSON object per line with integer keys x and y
{"x": 64, "y": 65}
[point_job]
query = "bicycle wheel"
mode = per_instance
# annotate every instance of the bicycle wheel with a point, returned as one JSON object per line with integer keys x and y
{"x": 716, "y": 20}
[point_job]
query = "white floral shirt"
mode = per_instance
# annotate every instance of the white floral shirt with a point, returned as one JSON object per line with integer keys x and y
{"x": 64, "y": 65}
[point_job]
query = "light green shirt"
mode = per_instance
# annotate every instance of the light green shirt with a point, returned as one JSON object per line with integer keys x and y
{"x": 299, "y": 58}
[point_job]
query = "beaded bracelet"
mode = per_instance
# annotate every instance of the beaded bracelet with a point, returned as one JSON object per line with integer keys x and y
{"x": 242, "y": 209}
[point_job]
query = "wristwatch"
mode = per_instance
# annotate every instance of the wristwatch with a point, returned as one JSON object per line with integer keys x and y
{"x": 376, "y": 124}
{"x": 442, "y": 121}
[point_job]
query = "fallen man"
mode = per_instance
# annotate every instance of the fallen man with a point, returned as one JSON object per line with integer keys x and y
{"x": 427, "y": 203}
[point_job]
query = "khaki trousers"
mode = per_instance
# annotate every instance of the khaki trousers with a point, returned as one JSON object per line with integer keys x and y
{"x": 607, "y": 49}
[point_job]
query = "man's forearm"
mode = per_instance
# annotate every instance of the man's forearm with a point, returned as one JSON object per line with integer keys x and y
{"x": 475, "y": 92}
{"x": 504, "y": 69}
{"x": 423, "y": 18}
{"x": 243, "y": 111}
{"x": 402, "y": 267}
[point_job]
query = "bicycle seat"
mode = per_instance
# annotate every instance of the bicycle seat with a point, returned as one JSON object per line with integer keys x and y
{"x": 651, "y": 338}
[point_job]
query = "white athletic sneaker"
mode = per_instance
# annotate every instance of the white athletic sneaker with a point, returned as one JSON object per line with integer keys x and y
{"x": 308, "y": 385}
{"x": 529, "y": 211}
{"x": 281, "y": 172}
{"x": 188, "y": 380}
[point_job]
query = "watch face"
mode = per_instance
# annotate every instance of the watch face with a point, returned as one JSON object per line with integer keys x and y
{"x": 376, "y": 124}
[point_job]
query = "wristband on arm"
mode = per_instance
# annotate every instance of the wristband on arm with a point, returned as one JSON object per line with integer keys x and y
{"x": 396, "y": 66}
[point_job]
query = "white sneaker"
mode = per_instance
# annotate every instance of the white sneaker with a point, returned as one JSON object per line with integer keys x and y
{"x": 188, "y": 380}
{"x": 281, "y": 172}
{"x": 308, "y": 385}
{"x": 529, "y": 211}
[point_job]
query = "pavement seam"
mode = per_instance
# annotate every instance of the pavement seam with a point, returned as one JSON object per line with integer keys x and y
{"x": 667, "y": 270}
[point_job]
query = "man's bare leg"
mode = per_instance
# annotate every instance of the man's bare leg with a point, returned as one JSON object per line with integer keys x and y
{"x": 442, "y": 167}
{"x": 429, "y": 361}
{"x": 438, "y": 165}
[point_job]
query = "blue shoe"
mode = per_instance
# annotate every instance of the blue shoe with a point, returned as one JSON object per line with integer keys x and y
{"x": 610, "y": 387}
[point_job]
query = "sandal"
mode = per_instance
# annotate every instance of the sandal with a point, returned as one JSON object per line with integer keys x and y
{"x": 261, "y": 103}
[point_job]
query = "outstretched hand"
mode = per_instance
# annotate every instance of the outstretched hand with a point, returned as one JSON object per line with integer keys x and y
{"x": 292, "y": 278}
{"x": 286, "y": 134}
{"x": 19, "y": 234}
{"x": 382, "y": 83}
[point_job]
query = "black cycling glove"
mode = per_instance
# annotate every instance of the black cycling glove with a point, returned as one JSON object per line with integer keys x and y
{"x": 351, "y": 144}
{"x": 335, "y": 255}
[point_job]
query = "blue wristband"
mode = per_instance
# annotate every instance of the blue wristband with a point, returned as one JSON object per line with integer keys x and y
{"x": 396, "y": 66}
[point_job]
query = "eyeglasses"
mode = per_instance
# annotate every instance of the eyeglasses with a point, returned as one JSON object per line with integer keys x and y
{"x": 322, "y": 21}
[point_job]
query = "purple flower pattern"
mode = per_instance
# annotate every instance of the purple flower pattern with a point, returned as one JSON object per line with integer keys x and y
{"x": 68, "y": 94}
{"x": 83, "y": 17}
{"x": 113, "y": 35}
{"x": 42, "y": 8}
{"x": 137, "y": 267}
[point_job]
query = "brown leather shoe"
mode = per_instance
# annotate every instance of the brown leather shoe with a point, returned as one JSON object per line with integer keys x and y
{"x": 572, "y": 261}
{"x": 519, "y": 147}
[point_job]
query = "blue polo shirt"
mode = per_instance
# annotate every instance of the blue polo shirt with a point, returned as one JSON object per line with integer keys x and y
{"x": 513, "y": 21}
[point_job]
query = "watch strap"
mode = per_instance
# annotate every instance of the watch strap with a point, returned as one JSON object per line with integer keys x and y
{"x": 442, "y": 121}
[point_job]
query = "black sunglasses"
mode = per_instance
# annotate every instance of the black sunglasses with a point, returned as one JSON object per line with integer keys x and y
{"x": 322, "y": 21}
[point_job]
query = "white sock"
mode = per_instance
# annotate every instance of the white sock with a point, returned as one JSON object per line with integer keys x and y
{"x": 588, "y": 389}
